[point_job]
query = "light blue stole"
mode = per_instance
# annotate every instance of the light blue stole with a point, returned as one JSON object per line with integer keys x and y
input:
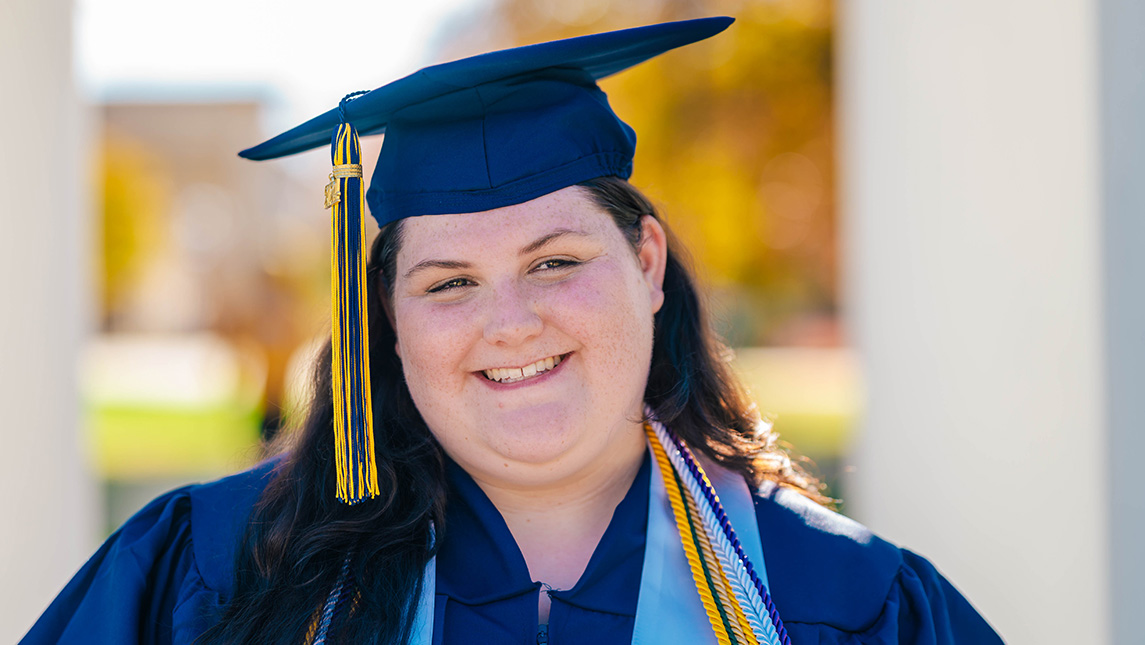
{"x": 669, "y": 608}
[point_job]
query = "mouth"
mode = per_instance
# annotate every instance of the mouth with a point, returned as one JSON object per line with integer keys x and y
{"x": 506, "y": 375}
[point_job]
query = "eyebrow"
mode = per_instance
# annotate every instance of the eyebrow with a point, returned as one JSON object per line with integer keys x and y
{"x": 540, "y": 242}
{"x": 531, "y": 247}
{"x": 437, "y": 264}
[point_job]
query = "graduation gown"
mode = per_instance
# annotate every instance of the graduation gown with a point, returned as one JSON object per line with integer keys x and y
{"x": 164, "y": 576}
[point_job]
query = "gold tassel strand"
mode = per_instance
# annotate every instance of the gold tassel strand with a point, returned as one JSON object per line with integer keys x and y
{"x": 353, "y": 407}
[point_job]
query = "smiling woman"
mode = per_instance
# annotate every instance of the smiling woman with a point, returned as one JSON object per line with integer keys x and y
{"x": 550, "y": 294}
{"x": 531, "y": 431}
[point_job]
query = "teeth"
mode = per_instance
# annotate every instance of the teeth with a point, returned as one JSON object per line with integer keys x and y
{"x": 514, "y": 374}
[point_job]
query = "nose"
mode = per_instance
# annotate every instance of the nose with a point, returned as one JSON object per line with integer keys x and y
{"x": 512, "y": 317}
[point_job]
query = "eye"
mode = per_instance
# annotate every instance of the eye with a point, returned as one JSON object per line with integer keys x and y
{"x": 449, "y": 285}
{"x": 555, "y": 263}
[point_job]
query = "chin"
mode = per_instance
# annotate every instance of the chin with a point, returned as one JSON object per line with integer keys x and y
{"x": 535, "y": 445}
{"x": 538, "y": 443}
{"x": 544, "y": 456}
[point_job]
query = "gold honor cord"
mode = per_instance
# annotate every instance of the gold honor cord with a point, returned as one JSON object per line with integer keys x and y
{"x": 727, "y": 618}
{"x": 737, "y": 622}
{"x": 357, "y": 471}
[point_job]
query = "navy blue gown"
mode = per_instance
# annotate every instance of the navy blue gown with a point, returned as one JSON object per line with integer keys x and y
{"x": 163, "y": 577}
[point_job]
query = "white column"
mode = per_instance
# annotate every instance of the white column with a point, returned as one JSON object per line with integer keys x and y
{"x": 47, "y": 515}
{"x": 972, "y": 228}
{"x": 1122, "y": 42}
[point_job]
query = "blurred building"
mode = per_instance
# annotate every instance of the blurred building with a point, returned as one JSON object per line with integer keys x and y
{"x": 197, "y": 239}
{"x": 182, "y": 219}
{"x": 212, "y": 267}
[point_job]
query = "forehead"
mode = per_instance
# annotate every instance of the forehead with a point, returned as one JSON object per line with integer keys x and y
{"x": 503, "y": 230}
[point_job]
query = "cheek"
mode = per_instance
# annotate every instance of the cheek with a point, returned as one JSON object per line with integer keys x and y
{"x": 432, "y": 340}
{"x": 614, "y": 315}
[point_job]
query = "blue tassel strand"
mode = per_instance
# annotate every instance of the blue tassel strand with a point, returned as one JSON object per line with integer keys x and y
{"x": 353, "y": 409}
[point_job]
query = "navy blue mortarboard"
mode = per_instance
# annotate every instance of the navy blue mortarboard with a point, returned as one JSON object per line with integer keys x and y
{"x": 467, "y": 136}
{"x": 496, "y": 129}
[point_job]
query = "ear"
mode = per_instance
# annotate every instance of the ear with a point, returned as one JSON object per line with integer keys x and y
{"x": 653, "y": 258}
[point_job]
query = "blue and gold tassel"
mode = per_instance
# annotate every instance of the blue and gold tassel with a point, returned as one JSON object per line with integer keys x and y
{"x": 353, "y": 408}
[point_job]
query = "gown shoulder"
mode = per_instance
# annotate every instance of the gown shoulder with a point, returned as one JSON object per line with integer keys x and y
{"x": 834, "y": 582}
{"x": 163, "y": 575}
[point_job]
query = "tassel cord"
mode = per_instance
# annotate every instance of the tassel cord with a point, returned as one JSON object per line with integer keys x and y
{"x": 353, "y": 404}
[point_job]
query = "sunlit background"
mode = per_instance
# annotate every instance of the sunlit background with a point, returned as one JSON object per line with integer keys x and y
{"x": 217, "y": 269}
{"x": 918, "y": 228}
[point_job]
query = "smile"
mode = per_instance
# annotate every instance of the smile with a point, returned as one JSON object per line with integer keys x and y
{"x": 514, "y": 374}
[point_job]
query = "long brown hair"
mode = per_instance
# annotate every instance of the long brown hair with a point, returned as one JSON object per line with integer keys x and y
{"x": 691, "y": 387}
{"x": 298, "y": 537}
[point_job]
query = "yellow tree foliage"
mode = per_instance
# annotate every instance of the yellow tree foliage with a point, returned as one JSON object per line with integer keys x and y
{"x": 136, "y": 196}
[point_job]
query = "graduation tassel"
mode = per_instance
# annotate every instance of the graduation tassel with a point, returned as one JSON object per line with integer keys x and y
{"x": 353, "y": 408}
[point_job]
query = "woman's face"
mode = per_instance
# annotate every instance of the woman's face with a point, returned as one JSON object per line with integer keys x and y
{"x": 525, "y": 334}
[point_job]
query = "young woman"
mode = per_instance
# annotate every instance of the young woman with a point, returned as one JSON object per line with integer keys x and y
{"x": 533, "y": 439}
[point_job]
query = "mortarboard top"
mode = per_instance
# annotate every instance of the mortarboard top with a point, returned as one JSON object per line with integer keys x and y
{"x": 496, "y": 129}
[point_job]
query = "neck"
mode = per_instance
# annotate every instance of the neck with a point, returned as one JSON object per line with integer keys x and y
{"x": 558, "y": 526}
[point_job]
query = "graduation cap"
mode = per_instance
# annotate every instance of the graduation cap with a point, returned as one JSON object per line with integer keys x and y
{"x": 467, "y": 136}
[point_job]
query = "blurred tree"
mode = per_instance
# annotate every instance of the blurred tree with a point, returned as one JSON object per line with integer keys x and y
{"x": 736, "y": 141}
{"x": 136, "y": 195}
